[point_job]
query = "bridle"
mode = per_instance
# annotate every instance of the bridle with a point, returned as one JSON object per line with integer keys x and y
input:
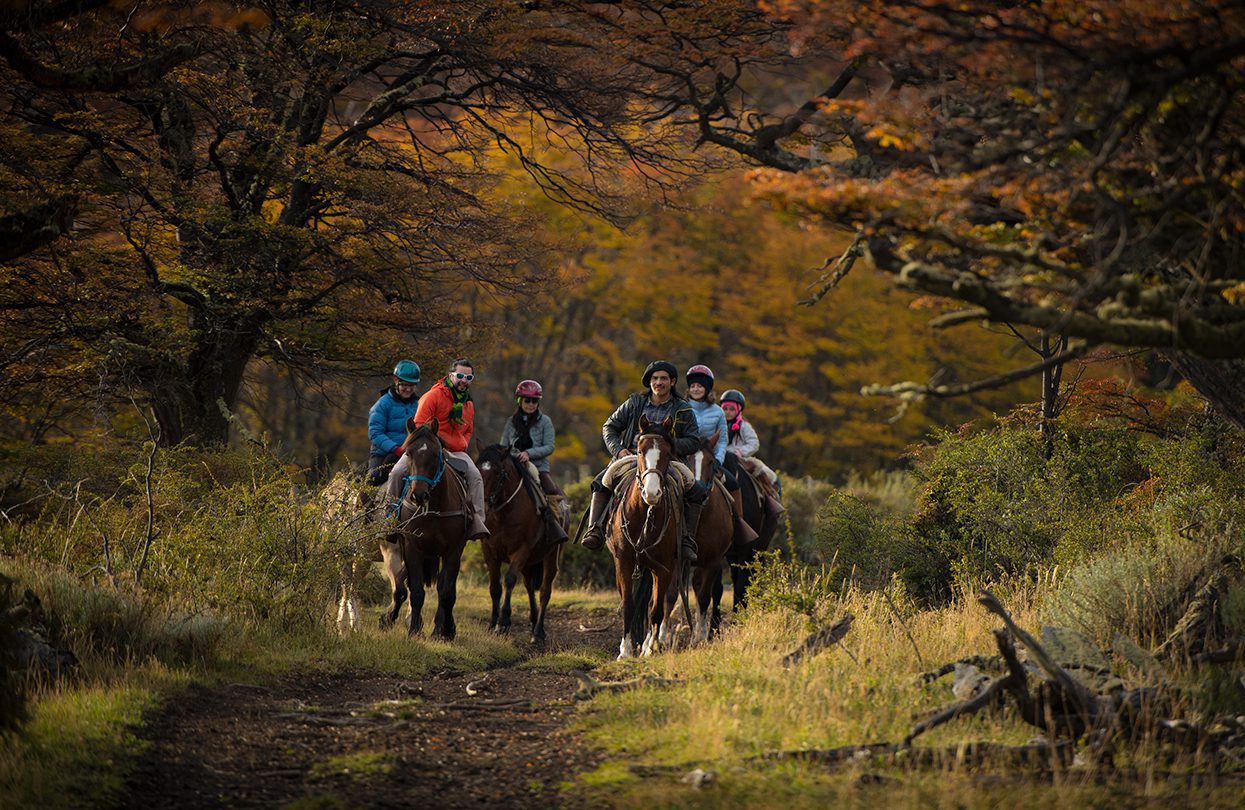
{"x": 503, "y": 477}
{"x": 667, "y": 501}
{"x": 640, "y": 470}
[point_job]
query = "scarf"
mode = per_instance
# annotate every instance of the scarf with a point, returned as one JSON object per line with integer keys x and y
{"x": 460, "y": 398}
{"x": 732, "y": 427}
{"x": 523, "y": 424}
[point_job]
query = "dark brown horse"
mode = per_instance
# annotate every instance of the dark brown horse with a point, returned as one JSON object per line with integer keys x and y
{"x": 643, "y": 536}
{"x": 518, "y": 539}
{"x": 741, "y": 558}
{"x": 432, "y": 529}
{"x": 713, "y": 540}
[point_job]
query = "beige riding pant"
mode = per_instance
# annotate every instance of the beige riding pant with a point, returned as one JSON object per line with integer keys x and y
{"x": 619, "y": 468}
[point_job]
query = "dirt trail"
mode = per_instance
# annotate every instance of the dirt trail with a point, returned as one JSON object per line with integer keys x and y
{"x": 428, "y": 743}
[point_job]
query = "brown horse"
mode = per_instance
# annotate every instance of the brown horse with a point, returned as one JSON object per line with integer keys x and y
{"x": 432, "y": 529}
{"x": 644, "y": 534}
{"x": 713, "y": 540}
{"x": 518, "y": 539}
{"x": 741, "y": 558}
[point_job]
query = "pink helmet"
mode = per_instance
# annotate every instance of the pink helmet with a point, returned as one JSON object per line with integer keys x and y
{"x": 529, "y": 388}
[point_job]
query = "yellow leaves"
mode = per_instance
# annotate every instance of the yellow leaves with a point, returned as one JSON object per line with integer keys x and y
{"x": 1235, "y": 295}
{"x": 888, "y": 139}
{"x": 1021, "y": 95}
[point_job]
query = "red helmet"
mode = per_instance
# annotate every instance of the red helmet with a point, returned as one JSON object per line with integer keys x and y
{"x": 529, "y": 388}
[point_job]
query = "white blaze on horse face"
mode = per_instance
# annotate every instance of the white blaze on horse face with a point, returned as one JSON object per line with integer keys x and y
{"x": 651, "y": 485}
{"x": 422, "y": 447}
{"x": 486, "y": 466}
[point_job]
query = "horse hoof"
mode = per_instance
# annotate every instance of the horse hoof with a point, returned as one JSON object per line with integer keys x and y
{"x": 385, "y": 622}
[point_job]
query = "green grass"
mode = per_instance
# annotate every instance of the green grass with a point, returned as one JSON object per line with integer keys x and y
{"x": 77, "y": 749}
{"x": 359, "y": 766}
{"x": 737, "y": 702}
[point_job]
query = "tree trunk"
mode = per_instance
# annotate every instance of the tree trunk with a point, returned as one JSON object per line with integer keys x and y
{"x": 1222, "y": 382}
{"x": 188, "y": 407}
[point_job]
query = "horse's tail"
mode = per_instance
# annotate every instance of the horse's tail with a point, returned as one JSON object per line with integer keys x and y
{"x": 535, "y": 574}
{"x": 641, "y": 595}
{"x": 431, "y": 566}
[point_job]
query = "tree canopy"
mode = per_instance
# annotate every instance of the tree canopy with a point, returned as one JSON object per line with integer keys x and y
{"x": 295, "y": 182}
{"x": 1074, "y": 167}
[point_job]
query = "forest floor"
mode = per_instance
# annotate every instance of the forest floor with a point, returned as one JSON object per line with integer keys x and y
{"x": 366, "y": 739}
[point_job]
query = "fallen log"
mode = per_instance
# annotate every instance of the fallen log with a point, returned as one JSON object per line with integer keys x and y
{"x": 590, "y": 687}
{"x": 818, "y": 641}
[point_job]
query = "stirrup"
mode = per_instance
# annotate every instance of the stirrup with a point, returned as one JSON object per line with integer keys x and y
{"x": 594, "y": 538}
{"x": 687, "y": 550}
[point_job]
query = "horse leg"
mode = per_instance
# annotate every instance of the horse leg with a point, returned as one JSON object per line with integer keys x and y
{"x": 447, "y": 596}
{"x": 532, "y": 578}
{"x": 703, "y": 585}
{"x": 391, "y": 555}
{"x": 622, "y": 576}
{"x": 716, "y": 623}
{"x": 494, "y": 588}
{"x": 415, "y": 586}
{"x": 549, "y": 570}
{"x": 656, "y": 614}
{"x": 671, "y": 601}
{"x": 518, "y": 561}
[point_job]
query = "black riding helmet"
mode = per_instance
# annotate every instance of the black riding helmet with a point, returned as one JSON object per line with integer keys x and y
{"x": 659, "y": 365}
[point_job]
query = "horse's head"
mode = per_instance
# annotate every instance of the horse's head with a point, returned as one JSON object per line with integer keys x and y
{"x": 701, "y": 461}
{"x": 654, "y": 449}
{"x": 423, "y": 448}
{"x": 494, "y": 463}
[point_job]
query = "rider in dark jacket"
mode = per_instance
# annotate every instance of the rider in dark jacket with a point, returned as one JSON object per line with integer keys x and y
{"x": 621, "y": 431}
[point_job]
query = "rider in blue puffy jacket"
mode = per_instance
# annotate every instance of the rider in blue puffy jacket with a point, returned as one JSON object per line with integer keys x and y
{"x": 386, "y": 421}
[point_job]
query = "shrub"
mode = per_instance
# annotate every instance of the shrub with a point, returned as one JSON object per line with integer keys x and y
{"x": 230, "y": 534}
{"x": 579, "y": 566}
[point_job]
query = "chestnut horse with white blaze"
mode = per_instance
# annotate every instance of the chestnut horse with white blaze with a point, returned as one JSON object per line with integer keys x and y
{"x": 644, "y": 535}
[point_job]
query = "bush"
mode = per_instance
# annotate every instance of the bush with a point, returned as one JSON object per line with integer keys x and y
{"x": 231, "y": 534}
{"x": 580, "y": 567}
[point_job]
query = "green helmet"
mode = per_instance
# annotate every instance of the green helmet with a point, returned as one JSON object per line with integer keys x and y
{"x": 407, "y": 371}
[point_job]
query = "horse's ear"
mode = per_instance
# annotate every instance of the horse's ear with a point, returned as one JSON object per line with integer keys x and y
{"x": 410, "y": 424}
{"x": 645, "y": 425}
{"x": 713, "y": 441}
{"x": 434, "y": 426}
{"x": 667, "y": 424}
{"x": 479, "y": 447}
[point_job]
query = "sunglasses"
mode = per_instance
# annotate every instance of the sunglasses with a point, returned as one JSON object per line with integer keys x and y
{"x": 458, "y": 375}
{"x": 531, "y": 400}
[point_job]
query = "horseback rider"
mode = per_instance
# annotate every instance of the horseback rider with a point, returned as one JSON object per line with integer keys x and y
{"x": 529, "y": 435}
{"x": 743, "y": 444}
{"x": 621, "y": 432}
{"x": 712, "y": 419}
{"x": 386, "y": 421}
{"x": 449, "y": 402}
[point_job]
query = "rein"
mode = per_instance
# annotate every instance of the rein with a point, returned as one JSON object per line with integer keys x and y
{"x": 419, "y": 510}
{"x": 637, "y": 542}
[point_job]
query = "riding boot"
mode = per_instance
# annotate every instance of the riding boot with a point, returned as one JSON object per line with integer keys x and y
{"x": 553, "y": 529}
{"x": 691, "y": 522}
{"x": 594, "y": 537}
{"x": 775, "y": 506}
{"x": 743, "y": 532}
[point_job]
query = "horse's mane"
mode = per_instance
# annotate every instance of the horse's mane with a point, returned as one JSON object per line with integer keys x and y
{"x": 494, "y": 453}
